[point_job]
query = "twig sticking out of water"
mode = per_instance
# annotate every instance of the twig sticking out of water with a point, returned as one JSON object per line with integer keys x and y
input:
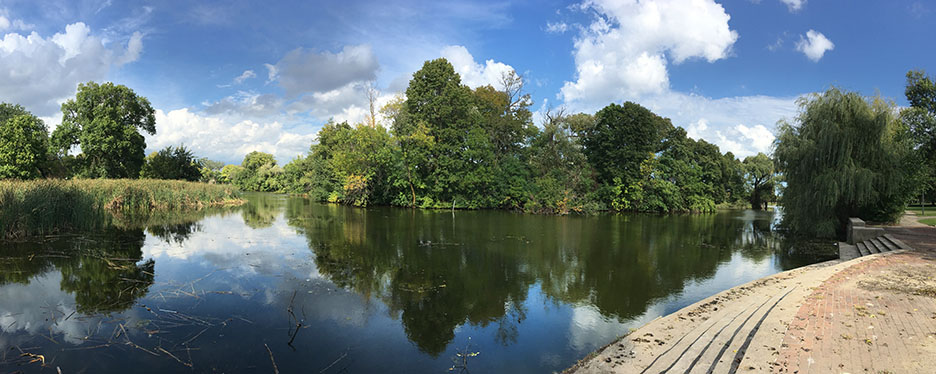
{"x": 275, "y": 369}
{"x": 292, "y": 316}
{"x": 343, "y": 355}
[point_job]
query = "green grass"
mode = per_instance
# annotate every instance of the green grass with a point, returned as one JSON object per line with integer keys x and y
{"x": 930, "y": 212}
{"x": 45, "y": 207}
{"x": 929, "y": 221}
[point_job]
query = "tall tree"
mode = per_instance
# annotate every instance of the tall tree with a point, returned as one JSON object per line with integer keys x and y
{"x": 759, "y": 172}
{"x": 844, "y": 156}
{"x": 920, "y": 117}
{"x": 438, "y": 103}
{"x": 106, "y": 120}
{"x": 24, "y": 143}
{"x": 623, "y": 136}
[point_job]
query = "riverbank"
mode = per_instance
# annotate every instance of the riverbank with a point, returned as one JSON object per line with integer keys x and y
{"x": 874, "y": 311}
{"x": 45, "y": 207}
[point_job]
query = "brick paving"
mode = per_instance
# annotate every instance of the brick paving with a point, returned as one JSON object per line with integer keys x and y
{"x": 854, "y": 323}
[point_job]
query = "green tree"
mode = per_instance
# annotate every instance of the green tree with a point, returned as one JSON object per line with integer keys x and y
{"x": 623, "y": 137}
{"x": 210, "y": 170}
{"x": 845, "y": 155}
{"x": 105, "y": 121}
{"x": 24, "y": 143}
{"x": 258, "y": 172}
{"x": 759, "y": 172}
{"x": 920, "y": 117}
{"x": 436, "y": 101}
{"x": 172, "y": 163}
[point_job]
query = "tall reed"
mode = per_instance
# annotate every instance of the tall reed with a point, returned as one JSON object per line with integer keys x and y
{"x": 45, "y": 207}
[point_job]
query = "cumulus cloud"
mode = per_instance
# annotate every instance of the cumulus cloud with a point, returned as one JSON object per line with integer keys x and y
{"x": 9, "y": 23}
{"x": 472, "y": 73}
{"x": 794, "y": 5}
{"x": 741, "y": 125}
{"x": 814, "y": 45}
{"x": 624, "y": 52}
{"x": 40, "y": 73}
{"x": 624, "y": 55}
{"x": 302, "y": 71}
{"x": 221, "y": 138}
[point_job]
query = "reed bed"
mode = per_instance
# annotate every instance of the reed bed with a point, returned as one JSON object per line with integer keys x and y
{"x": 47, "y": 207}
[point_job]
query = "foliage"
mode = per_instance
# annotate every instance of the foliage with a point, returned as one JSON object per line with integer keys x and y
{"x": 24, "y": 143}
{"x": 258, "y": 172}
{"x": 622, "y": 138}
{"x": 42, "y": 207}
{"x": 844, "y": 156}
{"x": 920, "y": 117}
{"x": 105, "y": 121}
{"x": 210, "y": 170}
{"x": 759, "y": 172}
{"x": 448, "y": 146}
{"x": 172, "y": 163}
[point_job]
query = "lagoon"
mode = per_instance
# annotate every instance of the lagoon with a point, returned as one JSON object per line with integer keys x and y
{"x": 310, "y": 287}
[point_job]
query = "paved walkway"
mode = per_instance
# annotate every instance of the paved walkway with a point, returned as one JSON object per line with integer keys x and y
{"x": 873, "y": 314}
{"x": 878, "y": 316}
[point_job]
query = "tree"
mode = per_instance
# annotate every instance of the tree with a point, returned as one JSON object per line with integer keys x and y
{"x": 105, "y": 120}
{"x": 172, "y": 163}
{"x": 622, "y": 137}
{"x": 438, "y": 104}
{"x": 210, "y": 170}
{"x": 920, "y": 117}
{"x": 759, "y": 172}
{"x": 844, "y": 156}
{"x": 258, "y": 172}
{"x": 24, "y": 143}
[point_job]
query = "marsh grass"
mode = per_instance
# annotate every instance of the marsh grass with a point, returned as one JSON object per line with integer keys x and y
{"x": 47, "y": 207}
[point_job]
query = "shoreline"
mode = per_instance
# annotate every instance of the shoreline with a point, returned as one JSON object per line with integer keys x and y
{"x": 747, "y": 327}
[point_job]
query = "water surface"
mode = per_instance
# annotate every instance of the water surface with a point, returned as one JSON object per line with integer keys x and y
{"x": 329, "y": 289}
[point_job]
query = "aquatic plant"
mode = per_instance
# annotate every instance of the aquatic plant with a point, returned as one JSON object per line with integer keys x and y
{"x": 44, "y": 207}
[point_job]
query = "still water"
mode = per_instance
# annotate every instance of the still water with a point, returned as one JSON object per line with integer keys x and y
{"x": 320, "y": 288}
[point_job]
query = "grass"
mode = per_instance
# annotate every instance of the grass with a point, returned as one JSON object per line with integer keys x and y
{"x": 928, "y": 221}
{"x": 46, "y": 207}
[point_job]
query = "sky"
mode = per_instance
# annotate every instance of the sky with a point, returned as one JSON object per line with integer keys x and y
{"x": 230, "y": 77}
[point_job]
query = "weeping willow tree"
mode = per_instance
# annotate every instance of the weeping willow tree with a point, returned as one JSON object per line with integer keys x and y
{"x": 844, "y": 156}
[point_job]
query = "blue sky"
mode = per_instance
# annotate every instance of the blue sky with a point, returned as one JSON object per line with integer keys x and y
{"x": 230, "y": 77}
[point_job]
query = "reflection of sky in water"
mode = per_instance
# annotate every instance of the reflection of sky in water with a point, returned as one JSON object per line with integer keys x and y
{"x": 237, "y": 282}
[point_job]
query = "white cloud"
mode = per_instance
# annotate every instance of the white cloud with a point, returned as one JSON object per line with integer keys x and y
{"x": 759, "y": 136}
{"x": 814, "y": 45}
{"x": 794, "y": 5}
{"x": 247, "y": 74}
{"x": 626, "y": 49}
{"x": 8, "y": 23}
{"x": 557, "y": 27}
{"x": 737, "y": 124}
{"x": 272, "y": 72}
{"x": 695, "y": 129}
{"x": 220, "y": 138}
{"x": 40, "y": 73}
{"x": 472, "y": 73}
{"x": 623, "y": 55}
{"x": 302, "y": 71}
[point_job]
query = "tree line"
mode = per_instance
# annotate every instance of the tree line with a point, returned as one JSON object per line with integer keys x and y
{"x": 444, "y": 145}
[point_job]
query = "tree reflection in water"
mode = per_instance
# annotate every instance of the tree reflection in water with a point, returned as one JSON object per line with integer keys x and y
{"x": 439, "y": 270}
